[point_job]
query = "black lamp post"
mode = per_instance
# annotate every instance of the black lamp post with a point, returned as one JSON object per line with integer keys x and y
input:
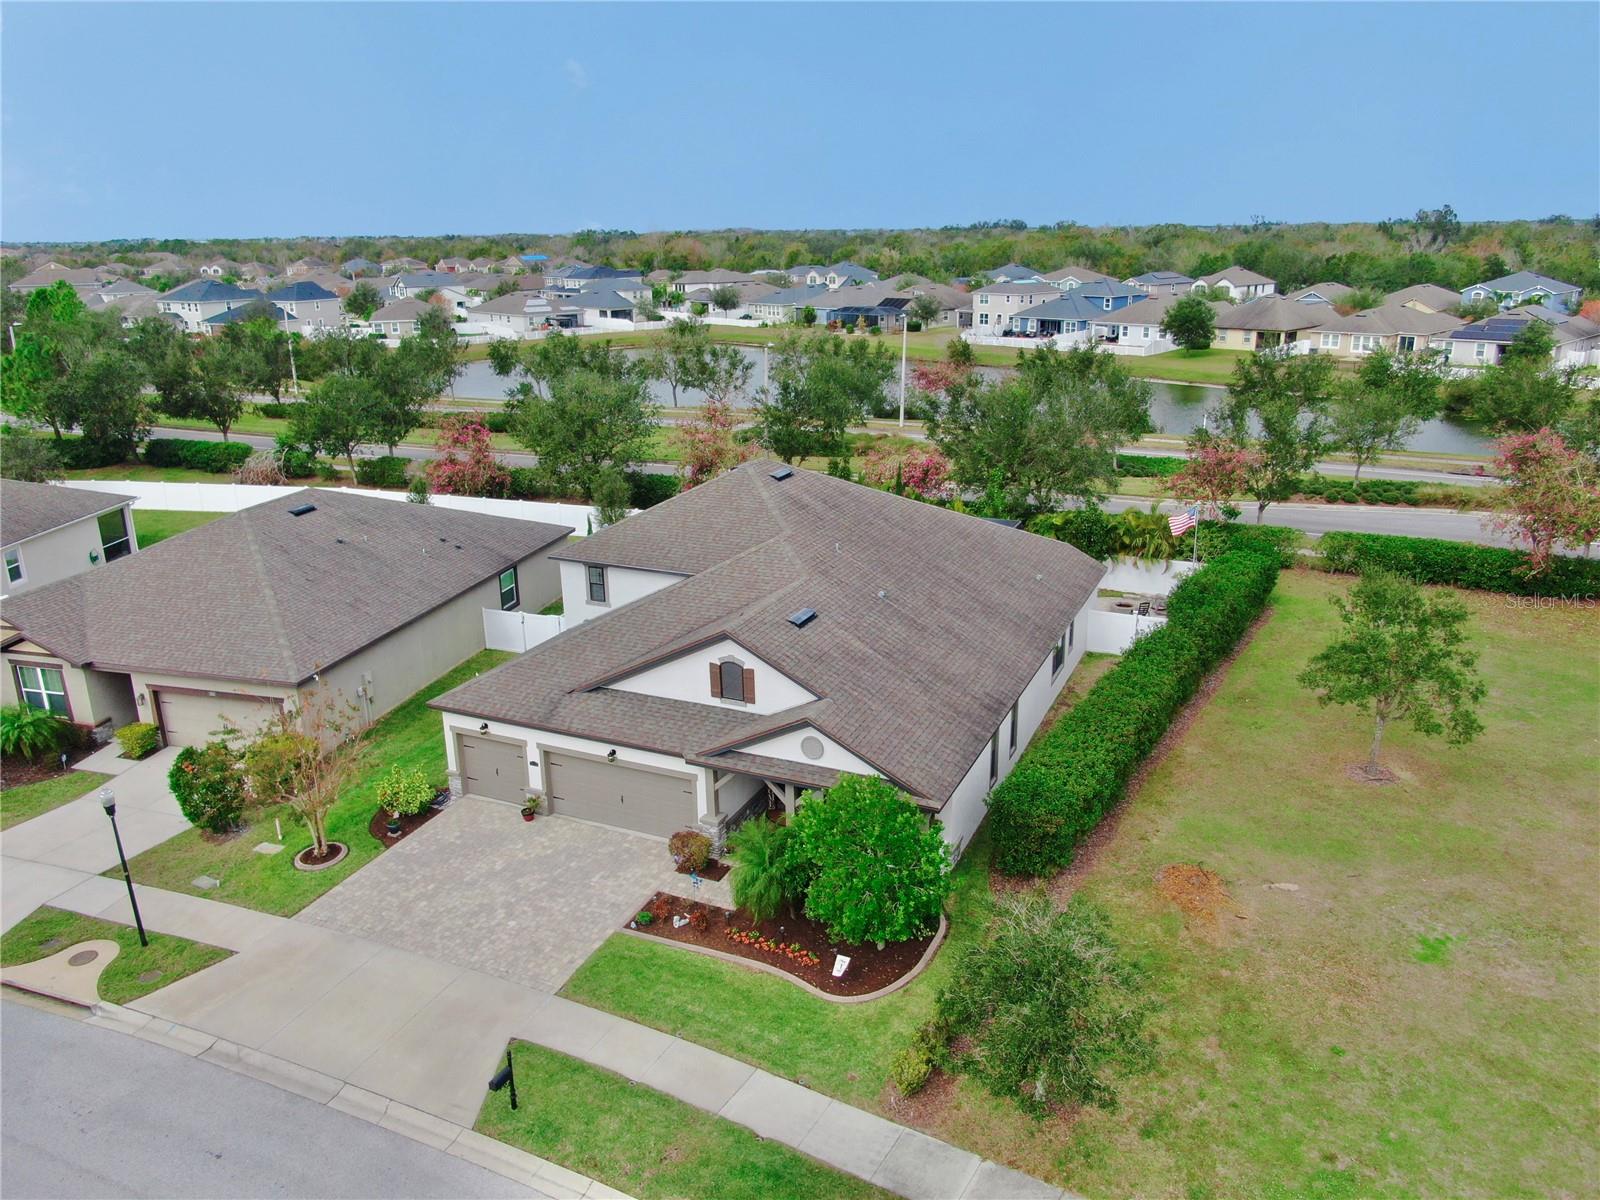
{"x": 108, "y": 801}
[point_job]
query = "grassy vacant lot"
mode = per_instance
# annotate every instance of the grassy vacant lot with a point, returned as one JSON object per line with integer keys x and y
{"x": 1416, "y": 1019}
{"x": 645, "y": 1142}
{"x": 19, "y": 804}
{"x": 157, "y": 525}
{"x": 51, "y": 930}
{"x": 408, "y": 736}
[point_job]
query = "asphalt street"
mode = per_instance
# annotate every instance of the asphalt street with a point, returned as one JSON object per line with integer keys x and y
{"x": 92, "y": 1112}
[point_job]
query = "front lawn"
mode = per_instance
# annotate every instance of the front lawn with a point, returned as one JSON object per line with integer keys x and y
{"x": 409, "y": 736}
{"x": 1414, "y": 1015}
{"x": 1186, "y": 366}
{"x": 19, "y": 804}
{"x": 154, "y": 525}
{"x": 645, "y": 1142}
{"x": 48, "y": 931}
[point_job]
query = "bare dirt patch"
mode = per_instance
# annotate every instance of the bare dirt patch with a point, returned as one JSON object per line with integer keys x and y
{"x": 1202, "y": 897}
{"x": 1361, "y": 773}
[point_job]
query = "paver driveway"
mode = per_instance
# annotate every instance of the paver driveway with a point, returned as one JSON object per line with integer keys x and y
{"x": 527, "y": 901}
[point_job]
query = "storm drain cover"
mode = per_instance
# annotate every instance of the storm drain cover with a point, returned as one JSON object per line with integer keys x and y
{"x": 83, "y": 958}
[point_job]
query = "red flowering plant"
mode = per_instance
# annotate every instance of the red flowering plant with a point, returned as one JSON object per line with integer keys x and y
{"x": 466, "y": 465}
{"x": 707, "y": 443}
{"x": 913, "y": 470}
{"x": 1552, "y": 495}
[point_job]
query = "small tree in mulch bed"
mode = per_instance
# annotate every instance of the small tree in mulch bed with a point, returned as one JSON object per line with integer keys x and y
{"x": 760, "y": 878}
{"x": 306, "y": 758}
{"x": 1047, "y": 1009}
{"x": 874, "y": 869}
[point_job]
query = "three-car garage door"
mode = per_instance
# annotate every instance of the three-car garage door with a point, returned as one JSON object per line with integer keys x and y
{"x": 194, "y": 718}
{"x": 645, "y": 801}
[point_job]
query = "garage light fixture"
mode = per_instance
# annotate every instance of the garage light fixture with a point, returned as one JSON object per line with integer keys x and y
{"x": 484, "y": 727}
{"x": 611, "y": 756}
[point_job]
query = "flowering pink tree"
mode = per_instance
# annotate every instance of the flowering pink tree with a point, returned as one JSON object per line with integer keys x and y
{"x": 1217, "y": 471}
{"x": 466, "y": 465}
{"x": 1552, "y": 494}
{"x": 708, "y": 445}
{"x": 921, "y": 470}
{"x": 939, "y": 376}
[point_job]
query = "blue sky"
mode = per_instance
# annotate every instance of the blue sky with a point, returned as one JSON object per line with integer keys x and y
{"x": 201, "y": 120}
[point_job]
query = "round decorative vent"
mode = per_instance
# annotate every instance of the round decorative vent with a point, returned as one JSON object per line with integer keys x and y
{"x": 811, "y": 747}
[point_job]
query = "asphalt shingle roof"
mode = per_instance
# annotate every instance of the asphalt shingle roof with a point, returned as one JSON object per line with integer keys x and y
{"x": 29, "y": 509}
{"x": 930, "y": 624}
{"x": 267, "y": 597}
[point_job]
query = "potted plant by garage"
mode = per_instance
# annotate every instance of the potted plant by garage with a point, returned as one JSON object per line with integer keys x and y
{"x": 404, "y": 793}
{"x": 530, "y": 810}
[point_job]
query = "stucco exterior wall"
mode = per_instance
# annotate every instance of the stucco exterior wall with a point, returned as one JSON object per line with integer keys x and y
{"x": 623, "y": 585}
{"x": 60, "y": 553}
{"x": 688, "y": 677}
{"x": 90, "y": 699}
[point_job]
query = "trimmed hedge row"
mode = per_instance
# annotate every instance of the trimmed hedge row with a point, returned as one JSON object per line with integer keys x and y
{"x": 644, "y": 491}
{"x": 1219, "y": 537}
{"x": 1150, "y": 466}
{"x": 1072, "y": 775}
{"x": 220, "y": 458}
{"x": 385, "y": 471}
{"x": 1459, "y": 564}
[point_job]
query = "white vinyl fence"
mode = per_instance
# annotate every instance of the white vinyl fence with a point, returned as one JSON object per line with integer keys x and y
{"x": 518, "y": 631}
{"x": 231, "y": 497}
{"x": 1114, "y": 632}
{"x": 1147, "y": 578}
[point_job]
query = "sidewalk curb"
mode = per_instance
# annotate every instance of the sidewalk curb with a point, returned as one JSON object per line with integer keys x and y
{"x": 504, "y": 1160}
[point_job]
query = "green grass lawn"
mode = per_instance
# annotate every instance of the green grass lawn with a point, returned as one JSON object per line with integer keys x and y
{"x": 171, "y": 957}
{"x": 1186, "y": 366}
{"x": 409, "y": 736}
{"x": 645, "y": 1142}
{"x": 19, "y": 804}
{"x": 155, "y": 525}
{"x": 1416, "y": 1020}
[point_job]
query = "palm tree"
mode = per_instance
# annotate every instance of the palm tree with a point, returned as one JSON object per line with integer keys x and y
{"x": 1145, "y": 535}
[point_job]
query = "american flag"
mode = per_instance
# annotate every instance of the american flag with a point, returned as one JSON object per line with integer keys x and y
{"x": 1181, "y": 523}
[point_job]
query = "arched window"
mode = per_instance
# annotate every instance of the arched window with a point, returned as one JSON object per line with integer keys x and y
{"x": 732, "y": 680}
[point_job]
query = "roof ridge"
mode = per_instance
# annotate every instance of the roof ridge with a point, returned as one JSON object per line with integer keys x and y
{"x": 269, "y": 594}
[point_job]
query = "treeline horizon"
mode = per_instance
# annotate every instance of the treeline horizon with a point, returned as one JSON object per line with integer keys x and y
{"x": 1434, "y": 246}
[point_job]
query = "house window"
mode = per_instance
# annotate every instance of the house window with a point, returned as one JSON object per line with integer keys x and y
{"x": 1363, "y": 343}
{"x": 994, "y": 758}
{"x": 1330, "y": 341}
{"x": 114, "y": 538}
{"x": 43, "y": 687}
{"x": 597, "y": 585}
{"x": 1072, "y": 629}
{"x": 1058, "y": 656}
{"x": 1407, "y": 344}
{"x": 983, "y": 318}
{"x": 1014, "y": 728}
{"x": 731, "y": 679}
{"x": 13, "y": 565}
{"x": 1480, "y": 351}
{"x": 508, "y": 590}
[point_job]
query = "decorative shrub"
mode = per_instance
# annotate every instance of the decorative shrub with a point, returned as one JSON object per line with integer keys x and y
{"x": 689, "y": 848}
{"x": 1047, "y": 1008}
{"x": 405, "y": 793}
{"x": 1073, "y": 773}
{"x": 646, "y": 491}
{"x": 219, "y": 458}
{"x": 1457, "y": 564}
{"x": 385, "y": 471}
{"x": 31, "y": 731}
{"x": 208, "y": 786}
{"x": 274, "y": 409}
{"x": 1219, "y": 537}
{"x": 1090, "y": 529}
{"x": 911, "y": 1068}
{"x": 139, "y": 740}
{"x": 875, "y": 869}
{"x": 759, "y": 879}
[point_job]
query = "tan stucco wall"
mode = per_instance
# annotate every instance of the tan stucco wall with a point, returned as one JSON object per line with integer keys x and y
{"x": 92, "y": 697}
{"x": 59, "y": 553}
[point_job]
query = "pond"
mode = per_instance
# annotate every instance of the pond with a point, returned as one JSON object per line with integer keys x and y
{"x": 1177, "y": 408}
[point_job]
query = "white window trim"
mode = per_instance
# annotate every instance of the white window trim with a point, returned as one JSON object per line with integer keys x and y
{"x": 14, "y": 560}
{"x": 589, "y": 582}
{"x": 39, "y": 688}
{"x": 1331, "y": 341}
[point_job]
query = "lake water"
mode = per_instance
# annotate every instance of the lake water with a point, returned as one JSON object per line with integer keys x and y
{"x": 1177, "y": 408}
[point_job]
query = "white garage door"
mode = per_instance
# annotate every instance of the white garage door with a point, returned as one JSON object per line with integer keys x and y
{"x": 190, "y": 719}
{"x": 610, "y": 794}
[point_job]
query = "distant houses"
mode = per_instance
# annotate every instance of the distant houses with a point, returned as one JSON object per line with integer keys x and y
{"x": 1525, "y": 287}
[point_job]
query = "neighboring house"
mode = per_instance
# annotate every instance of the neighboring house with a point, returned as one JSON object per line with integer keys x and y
{"x": 1269, "y": 321}
{"x": 164, "y": 264}
{"x": 412, "y": 282}
{"x": 83, "y": 280}
{"x": 403, "y": 264}
{"x": 398, "y": 318}
{"x": 601, "y": 306}
{"x": 49, "y": 532}
{"x": 1483, "y": 343}
{"x": 305, "y": 266}
{"x": 312, "y": 309}
{"x": 993, "y": 306}
{"x": 116, "y": 291}
{"x": 1108, "y": 294}
{"x": 453, "y": 265}
{"x": 245, "y": 312}
{"x": 1012, "y": 273}
{"x": 218, "y": 267}
{"x": 749, "y": 293}
{"x": 1391, "y": 327}
{"x": 1427, "y": 297}
{"x": 370, "y": 599}
{"x": 1062, "y": 314}
{"x": 1239, "y": 283}
{"x": 840, "y": 274}
{"x": 358, "y": 266}
{"x": 691, "y": 281}
{"x": 1525, "y": 287}
{"x": 1067, "y": 278}
{"x": 252, "y": 272}
{"x": 764, "y": 632}
{"x": 1161, "y": 283}
{"x": 580, "y": 277}
{"x": 1328, "y": 293}
{"x": 785, "y": 305}
{"x": 196, "y": 302}
{"x": 521, "y": 314}
{"x": 1138, "y": 326}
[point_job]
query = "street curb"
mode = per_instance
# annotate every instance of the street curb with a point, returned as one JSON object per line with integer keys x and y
{"x": 504, "y": 1160}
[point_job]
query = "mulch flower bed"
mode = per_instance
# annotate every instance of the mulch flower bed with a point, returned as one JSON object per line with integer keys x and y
{"x": 713, "y": 870}
{"x": 16, "y": 770}
{"x": 797, "y": 945}
{"x": 378, "y": 827}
